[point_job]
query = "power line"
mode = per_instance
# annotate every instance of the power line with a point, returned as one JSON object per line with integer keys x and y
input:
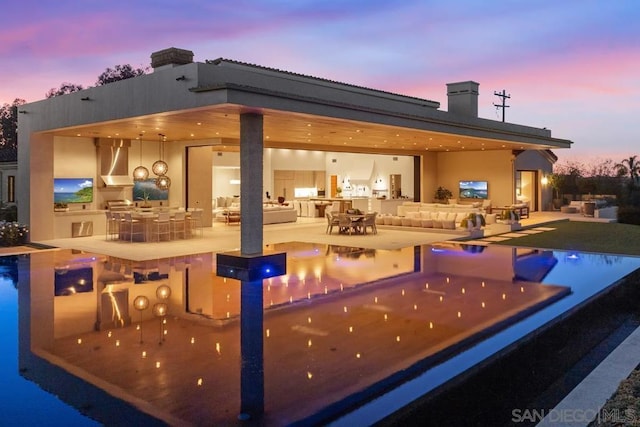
{"x": 504, "y": 97}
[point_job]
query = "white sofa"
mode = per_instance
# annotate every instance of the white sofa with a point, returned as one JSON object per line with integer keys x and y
{"x": 275, "y": 214}
{"x": 433, "y": 216}
{"x": 271, "y": 214}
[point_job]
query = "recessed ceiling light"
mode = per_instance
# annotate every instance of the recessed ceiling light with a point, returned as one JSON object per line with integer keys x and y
{"x": 199, "y": 124}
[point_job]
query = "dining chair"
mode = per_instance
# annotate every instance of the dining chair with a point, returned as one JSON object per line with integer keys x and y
{"x": 369, "y": 221}
{"x": 178, "y": 225}
{"x": 345, "y": 224}
{"x": 162, "y": 226}
{"x": 331, "y": 222}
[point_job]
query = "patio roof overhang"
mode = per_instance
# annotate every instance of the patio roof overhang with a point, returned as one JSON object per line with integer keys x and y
{"x": 202, "y": 103}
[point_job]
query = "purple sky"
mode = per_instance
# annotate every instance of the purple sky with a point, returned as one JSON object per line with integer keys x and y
{"x": 572, "y": 66}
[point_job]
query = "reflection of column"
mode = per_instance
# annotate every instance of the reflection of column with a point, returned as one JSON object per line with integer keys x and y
{"x": 251, "y": 348}
{"x": 251, "y": 271}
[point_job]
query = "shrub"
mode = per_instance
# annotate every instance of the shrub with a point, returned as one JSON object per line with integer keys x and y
{"x": 8, "y": 212}
{"x": 629, "y": 215}
{"x": 13, "y": 233}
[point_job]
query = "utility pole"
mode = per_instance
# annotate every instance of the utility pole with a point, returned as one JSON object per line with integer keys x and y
{"x": 504, "y": 97}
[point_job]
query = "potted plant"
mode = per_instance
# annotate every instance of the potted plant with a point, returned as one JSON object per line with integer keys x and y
{"x": 338, "y": 191}
{"x": 556, "y": 182}
{"x": 474, "y": 221}
{"x": 442, "y": 195}
{"x": 145, "y": 200}
{"x": 510, "y": 216}
{"x": 60, "y": 207}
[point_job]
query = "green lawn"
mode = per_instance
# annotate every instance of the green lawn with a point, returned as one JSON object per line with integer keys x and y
{"x": 614, "y": 238}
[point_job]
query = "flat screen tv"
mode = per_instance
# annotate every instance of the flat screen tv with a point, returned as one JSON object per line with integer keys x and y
{"x": 474, "y": 190}
{"x": 148, "y": 187}
{"x": 73, "y": 281}
{"x": 72, "y": 190}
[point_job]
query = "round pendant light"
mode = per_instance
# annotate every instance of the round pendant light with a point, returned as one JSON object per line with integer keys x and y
{"x": 163, "y": 182}
{"x": 140, "y": 173}
{"x": 159, "y": 167}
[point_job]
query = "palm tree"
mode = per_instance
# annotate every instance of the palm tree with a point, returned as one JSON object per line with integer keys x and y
{"x": 631, "y": 167}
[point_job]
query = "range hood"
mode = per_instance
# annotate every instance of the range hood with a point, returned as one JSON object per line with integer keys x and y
{"x": 113, "y": 158}
{"x": 117, "y": 180}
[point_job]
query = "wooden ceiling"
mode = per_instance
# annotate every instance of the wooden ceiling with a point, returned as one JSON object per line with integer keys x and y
{"x": 288, "y": 130}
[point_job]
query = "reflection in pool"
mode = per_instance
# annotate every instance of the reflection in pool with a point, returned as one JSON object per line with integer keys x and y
{"x": 342, "y": 326}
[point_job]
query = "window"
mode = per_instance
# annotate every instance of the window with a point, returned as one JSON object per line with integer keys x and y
{"x": 11, "y": 189}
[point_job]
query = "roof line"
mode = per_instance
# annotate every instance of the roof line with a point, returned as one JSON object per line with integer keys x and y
{"x": 221, "y": 60}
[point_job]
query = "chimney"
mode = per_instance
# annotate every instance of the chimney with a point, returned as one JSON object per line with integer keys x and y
{"x": 171, "y": 57}
{"x": 463, "y": 98}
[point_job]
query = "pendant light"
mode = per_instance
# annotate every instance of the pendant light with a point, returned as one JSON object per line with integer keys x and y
{"x": 140, "y": 173}
{"x": 163, "y": 182}
{"x": 160, "y": 168}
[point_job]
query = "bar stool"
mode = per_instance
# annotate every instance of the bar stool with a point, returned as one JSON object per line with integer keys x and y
{"x": 195, "y": 222}
{"x": 162, "y": 226}
{"x": 132, "y": 226}
{"x": 178, "y": 225}
{"x": 112, "y": 226}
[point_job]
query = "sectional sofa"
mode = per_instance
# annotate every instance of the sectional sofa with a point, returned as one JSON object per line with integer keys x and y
{"x": 434, "y": 216}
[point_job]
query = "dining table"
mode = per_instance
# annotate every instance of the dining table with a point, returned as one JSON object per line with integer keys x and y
{"x": 356, "y": 223}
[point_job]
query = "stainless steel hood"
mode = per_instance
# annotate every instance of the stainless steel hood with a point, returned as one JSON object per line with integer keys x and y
{"x": 113, "y": 158}
{"x": 117, "y": 180}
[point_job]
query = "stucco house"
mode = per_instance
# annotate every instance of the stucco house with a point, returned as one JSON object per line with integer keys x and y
{"x": 256, "y": 121}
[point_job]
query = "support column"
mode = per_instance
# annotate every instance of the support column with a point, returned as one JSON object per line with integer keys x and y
{"x": 251, "y": 294}
{"x": 251, "y": 166}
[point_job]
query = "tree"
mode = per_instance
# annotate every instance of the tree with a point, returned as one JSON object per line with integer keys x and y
{"x": 556, "y": 181}
{"x": 630, "y": 166}
{"x": 119, "y": 72}
{"x": 9, "y": 129}
{"x": 64, "y": 89}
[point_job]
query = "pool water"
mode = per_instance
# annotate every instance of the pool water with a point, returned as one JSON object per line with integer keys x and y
{"x": 344, "y": 326}
{"x": 21, "y": 401}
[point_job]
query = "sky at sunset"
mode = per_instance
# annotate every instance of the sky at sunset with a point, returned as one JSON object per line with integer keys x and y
{"x": 572, "y": 66}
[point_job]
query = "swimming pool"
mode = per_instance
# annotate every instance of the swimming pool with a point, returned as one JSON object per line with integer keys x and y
{"x": 22, "y": 401}
{"x": 345, "y": 326}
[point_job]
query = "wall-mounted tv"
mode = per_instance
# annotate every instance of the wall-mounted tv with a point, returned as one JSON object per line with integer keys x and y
{"x": 73, "y": 281}
{"x": 148, "y": 187}
{"x": 474, "y": 190}
{"x": 72, "y": 190}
